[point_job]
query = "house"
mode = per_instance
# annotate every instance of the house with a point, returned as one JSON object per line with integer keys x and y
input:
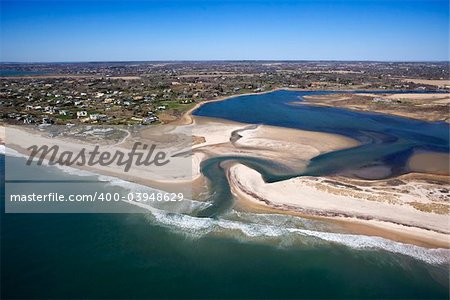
{"x": 49, "y": 110}
{"x": 46, "y": 120}
{"x": 29, "y": 120}
{"x": 97, "y": 117}
{"x": 81, "y": 114}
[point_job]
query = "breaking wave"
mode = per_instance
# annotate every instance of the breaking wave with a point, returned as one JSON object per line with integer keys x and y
{"x": 286, "y": 230}
{"x": 282, "y": 229}
{"x": 271, "y": 227}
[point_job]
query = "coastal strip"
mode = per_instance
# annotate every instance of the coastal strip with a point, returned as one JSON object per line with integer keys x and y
{"x": 392, "y": 211}
{"x": 311, "y": 197}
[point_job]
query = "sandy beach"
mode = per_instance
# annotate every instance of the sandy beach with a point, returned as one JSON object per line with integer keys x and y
{"x": 413, "y": 210}
{"x": 318, "y": 196}
{"x": 201, "y": 138}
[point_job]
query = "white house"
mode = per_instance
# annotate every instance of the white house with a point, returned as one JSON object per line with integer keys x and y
{"x": 81, "y": 114}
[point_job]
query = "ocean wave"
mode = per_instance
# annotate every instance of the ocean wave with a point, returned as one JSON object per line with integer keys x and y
{"x": 186, "y": 206}
{"x": 11, "y": 152}
{"x": 74, "y": 171}
{"x": 252, "y": 226}
{"x": 199, "y": 227}
{"x": 432, "y": 256}
{"x": 249, "y": 226}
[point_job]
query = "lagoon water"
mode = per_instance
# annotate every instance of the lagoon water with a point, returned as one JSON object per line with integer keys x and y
{"x": 386, "y": 140}
{"x": 171, "y": 252}
{"x": 14, "y": 72}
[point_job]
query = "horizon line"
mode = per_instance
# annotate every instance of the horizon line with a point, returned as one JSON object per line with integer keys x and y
{"x": 223, "y": 60}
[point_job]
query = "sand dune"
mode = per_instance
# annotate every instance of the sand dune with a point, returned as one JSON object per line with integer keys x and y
{"x": 315, "y": 196}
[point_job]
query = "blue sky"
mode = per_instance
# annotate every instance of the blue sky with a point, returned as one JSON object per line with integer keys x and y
{"x": 43, "y": 31}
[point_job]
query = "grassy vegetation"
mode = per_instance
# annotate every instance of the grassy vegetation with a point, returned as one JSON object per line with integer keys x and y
{"x": 65, "y": 117}
{"x": 437, "y": 208}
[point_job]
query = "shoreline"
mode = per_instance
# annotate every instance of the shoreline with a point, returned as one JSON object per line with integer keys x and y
{"x": 412, "y": 105}
{"x": 394, "y": 222}
{"x": 380, "y": 112}
{"x": 217, "y": 142}
{"x": 187, "y": 116}
{"x": 371, "y": 228}
{"x": 390, "y": 230}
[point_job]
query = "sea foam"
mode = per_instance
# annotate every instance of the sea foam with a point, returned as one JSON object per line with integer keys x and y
{"x": 199, "y": 227}
{"x": 248, "y": 226}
